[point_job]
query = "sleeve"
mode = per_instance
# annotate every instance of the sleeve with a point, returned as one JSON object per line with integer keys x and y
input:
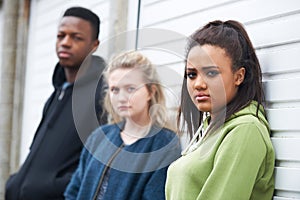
{"x": 236, "y": 165}
{"x": 45, "y": 110}
{"x": 74, "y": 185}
{"x": 155, "y": 188}
{"x": 11, "y": 187}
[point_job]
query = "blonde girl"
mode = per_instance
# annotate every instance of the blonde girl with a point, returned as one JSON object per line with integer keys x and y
{"x": 128, "y": 159}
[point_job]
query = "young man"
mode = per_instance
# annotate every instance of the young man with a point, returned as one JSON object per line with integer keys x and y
{"x": 70, "y": 114}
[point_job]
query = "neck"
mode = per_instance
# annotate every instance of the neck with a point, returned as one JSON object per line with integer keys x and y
{"x": 71, "y": 74}
{"x": 137, "y": 128}
{"x": 219, "y": 114}
{"x": 134, "y": 131}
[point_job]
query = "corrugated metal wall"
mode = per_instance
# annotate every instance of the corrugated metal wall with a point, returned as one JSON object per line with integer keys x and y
{"x": 274, "y": 28}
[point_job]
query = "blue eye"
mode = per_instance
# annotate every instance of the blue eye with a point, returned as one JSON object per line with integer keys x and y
{"x": 131, "y": 89}
{"x": 212, "y": 73}
{"x": 114, "y": 90}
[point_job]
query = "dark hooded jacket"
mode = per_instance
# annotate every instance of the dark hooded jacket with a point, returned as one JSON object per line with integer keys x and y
{"x": 69, "y": 116}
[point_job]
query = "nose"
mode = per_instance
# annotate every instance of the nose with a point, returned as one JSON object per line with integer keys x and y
{"x": 200, "y": 83}
{"x": 66, "y": 41}
{"x": 122, "y": 96}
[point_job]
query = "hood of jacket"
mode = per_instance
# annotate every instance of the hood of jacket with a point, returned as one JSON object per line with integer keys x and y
{"x": 91, "y": 67}
{"x": 251, "y": 109}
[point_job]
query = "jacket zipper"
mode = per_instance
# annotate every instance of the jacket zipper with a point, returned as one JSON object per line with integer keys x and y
{"x": 105, "y": 169}
{"x": 61, "y": 95}
{"x": 63, "y": 90}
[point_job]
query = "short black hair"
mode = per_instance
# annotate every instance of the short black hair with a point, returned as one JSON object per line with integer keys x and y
{"x": 87, "y": 15}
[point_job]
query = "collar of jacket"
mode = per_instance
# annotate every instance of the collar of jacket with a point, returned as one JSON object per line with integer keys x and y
{"x": 93, "y": 66}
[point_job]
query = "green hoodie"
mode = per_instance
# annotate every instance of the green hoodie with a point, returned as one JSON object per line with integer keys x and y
{"x": 234, "y": 163}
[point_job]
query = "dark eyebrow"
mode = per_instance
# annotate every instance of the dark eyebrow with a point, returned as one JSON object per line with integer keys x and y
{"x": 203, "y": 68}
{"x": 72, "y": 33}
{"x": 210, "y": 67}
{"x": 190, "y": 69}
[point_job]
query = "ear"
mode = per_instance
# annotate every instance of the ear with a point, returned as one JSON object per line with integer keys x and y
{"x": 95, "y": 45}
{"x": 239, "y": 76}
{"x": 152, "y": 92}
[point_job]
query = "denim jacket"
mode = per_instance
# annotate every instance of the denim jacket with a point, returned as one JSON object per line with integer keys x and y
{"x": 136, "y": 171}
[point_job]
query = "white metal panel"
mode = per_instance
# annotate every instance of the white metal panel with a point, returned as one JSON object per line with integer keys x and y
{"x": 288, "y": 179}
{"x": 187, "y": 19}
{"x": 284, "y": 198}
{"x": 244, "y": 10}
{"x": 1, "y": 48}
{"x": 278, "y": 60}
{"x": 285, "y": 29}
{"x": 169, "y": 75}
{"x": 286, "y": 119}
{"x": 187, "y": 24}
{"x": 172, "y": 9}
{"x": 283, "y": 147}
{"x": 33, "y": 103}
{"x": 283, "y": 89}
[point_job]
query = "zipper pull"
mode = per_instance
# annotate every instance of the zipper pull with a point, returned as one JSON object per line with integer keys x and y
{"x": 61, "y": 95}
{"x": 62, "y": 92}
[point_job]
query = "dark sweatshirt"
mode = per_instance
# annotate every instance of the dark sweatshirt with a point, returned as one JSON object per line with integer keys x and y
{"x": 58, "y": 141}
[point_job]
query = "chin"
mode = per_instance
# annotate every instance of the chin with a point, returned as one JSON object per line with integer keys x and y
{"x": 64, "y": 64}
{"x": 204, "y": 108}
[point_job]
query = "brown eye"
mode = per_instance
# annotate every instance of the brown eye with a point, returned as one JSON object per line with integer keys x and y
{"x": 191, "y": 75}
{"x": 60, "y": 36}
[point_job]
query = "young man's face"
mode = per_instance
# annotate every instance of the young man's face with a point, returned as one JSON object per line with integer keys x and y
{"x": 74, "y": 41}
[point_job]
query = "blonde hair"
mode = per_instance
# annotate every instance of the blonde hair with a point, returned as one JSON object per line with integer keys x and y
{"x": 136, "y": 60}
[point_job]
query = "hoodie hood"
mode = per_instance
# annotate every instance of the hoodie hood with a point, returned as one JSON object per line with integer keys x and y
{"x": 251, "y": 109}
{"x": 91, "y": 67}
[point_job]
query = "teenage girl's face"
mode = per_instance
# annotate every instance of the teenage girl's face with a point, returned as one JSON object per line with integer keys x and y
{"x": 128, "y": 94}
{"x": 211, "y": 83}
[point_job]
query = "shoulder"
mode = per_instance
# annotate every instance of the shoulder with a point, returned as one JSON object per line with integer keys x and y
{"x": 247, "y": 128}
{"x": 99, "y": 61}
{"x": 248, "y": 122}
{"x": 167, "y": 144}
{"x": 251, "y": 115}
{"x": 102, "y": 131}
{"x": 163, "y": 136}
{"x": 164, "y": 133}
{"x": 245, "y": 123}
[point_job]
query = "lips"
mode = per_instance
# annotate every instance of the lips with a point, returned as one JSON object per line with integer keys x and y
{"x": 202, "y": 97}
{"x": 123, "y": 107}
{"x": 64, "y": 54}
